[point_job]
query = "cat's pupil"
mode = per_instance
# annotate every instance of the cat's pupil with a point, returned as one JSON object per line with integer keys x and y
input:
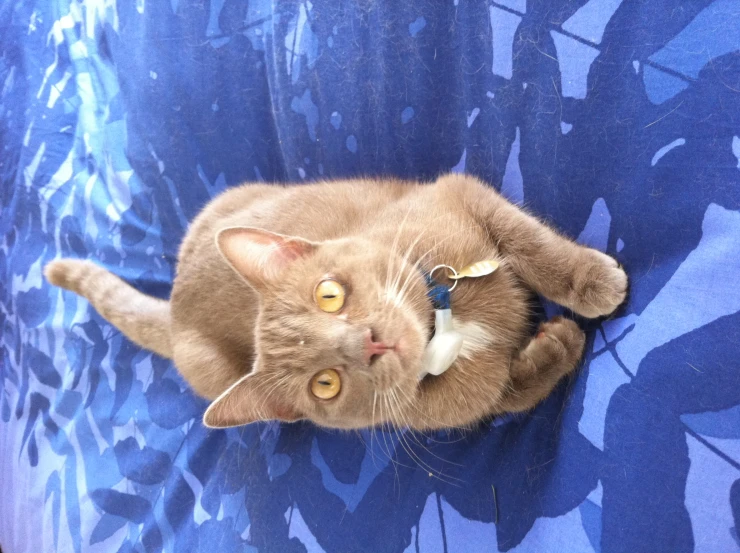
{"x": 329, "y": 297}
{"x": 324, "y": 383}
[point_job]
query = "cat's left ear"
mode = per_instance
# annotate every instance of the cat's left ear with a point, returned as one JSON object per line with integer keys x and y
{"x": 261, "y": 256}
{"x": 249, "y": 399}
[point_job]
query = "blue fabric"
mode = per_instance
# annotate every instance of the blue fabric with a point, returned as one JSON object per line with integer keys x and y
{"x": 617, "y": 121}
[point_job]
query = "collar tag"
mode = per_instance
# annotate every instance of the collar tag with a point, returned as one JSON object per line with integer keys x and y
{"x": 478, "y": 269}
{"x": 443, "y": 349}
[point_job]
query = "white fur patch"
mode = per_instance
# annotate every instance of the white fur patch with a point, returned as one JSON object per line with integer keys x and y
{"x": 475, "y": 337}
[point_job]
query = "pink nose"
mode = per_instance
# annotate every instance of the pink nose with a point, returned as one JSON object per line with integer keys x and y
{"x": 373, "y": 348}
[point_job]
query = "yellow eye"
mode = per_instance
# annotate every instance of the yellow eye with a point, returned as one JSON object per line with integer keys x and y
{"x": 326, "y": 384}
{"x": 329, "y": 296}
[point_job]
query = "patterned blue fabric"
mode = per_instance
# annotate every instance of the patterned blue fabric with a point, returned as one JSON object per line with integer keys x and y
{"x": 619, "y": 121}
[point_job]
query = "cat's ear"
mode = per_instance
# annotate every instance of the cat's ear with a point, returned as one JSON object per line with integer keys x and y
{"x": 258, "y": 255}
{"x": 249, "y": 399}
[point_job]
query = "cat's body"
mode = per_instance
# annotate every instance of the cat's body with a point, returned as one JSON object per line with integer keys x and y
{"x": 244, "y": 303}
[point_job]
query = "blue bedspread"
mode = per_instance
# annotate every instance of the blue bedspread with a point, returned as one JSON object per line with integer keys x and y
{"x": 618, "y": 121}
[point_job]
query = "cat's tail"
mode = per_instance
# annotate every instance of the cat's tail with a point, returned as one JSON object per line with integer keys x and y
{"x": 143, "y": 319}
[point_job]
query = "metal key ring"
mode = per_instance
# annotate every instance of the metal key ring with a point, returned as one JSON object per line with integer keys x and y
{"x": 454, "y": 273}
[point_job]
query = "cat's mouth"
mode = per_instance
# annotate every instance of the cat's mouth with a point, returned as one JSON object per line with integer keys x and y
{"x": 399, "y": 340}
{"x": 375, "y": 347}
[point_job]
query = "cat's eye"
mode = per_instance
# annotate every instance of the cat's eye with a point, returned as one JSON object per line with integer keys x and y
{"x": 326, "y": 384}
{"x": 330, "y": 296}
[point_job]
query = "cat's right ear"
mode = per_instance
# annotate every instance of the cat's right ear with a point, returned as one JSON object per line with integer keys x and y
{"x": 258, "y": 255}
{"x": 250, "y": 399}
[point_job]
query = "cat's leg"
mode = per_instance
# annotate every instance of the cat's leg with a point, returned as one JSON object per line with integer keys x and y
{"x": 583, "y": 279}
{"x": 143, "y": 319}
{"x": 537, "y": 368}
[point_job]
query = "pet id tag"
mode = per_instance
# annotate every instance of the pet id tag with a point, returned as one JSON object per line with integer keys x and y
{"x": 444, "y": 347}
{"x": 479, "y": 269}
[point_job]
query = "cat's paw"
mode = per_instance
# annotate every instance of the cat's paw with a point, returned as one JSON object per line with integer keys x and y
{"x": 563, "y": 338}
{"x": 599, "y": 285}
{"x": 554, "y": 352}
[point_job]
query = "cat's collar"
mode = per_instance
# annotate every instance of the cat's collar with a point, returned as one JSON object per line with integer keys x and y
{"x": 444, "y": 347}
{"x": 439, "y": 294}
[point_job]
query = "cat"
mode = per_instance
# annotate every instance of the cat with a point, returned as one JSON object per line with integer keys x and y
{"x": 311, "y": 302}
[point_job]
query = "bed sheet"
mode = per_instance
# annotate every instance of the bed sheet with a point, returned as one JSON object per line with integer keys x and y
{"x": 618, "y": 121}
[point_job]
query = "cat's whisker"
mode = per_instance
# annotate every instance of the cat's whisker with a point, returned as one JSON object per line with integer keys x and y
{"x": 401, "y": 435}
{"x": 390, "y": 454}
{"x": 394, "y": 245}
{"x": 427, "y": 417}
{"x": 389, "y": 423}
{"x": 372, "y": 420}
{"x": 399, "y": 296}
{"x": 402, "y": 293}
{"x": 368, "y": 448}
{"x": 391, "y": 289}
{"x": 393, "y": 393}
{"x": 387, "y": 450}
{"x": 375, "y": 401}
{"x": 405, "y": 260}
{"x": 416, "y": 438}
{"x": 393, "y": 296}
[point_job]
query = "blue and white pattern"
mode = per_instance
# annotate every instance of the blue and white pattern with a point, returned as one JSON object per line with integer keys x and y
{"x": 617, "y": 120}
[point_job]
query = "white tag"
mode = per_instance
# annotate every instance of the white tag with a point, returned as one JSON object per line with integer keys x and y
{"x": 444, "y": 347}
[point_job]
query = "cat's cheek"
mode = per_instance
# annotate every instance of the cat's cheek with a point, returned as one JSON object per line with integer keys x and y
{"x": 408, "y": 350}
{"x": 410, "y": 346}
{"x": 350, "y": 411}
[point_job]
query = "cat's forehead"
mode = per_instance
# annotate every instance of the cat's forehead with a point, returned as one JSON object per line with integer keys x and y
{"x": 296, "y": 293}
{"x": 304, "y": 325}
{"x": 349, "y": 254}
{"x": 299, "y": 342}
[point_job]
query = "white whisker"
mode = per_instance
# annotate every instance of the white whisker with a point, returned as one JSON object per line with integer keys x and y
{"x": 401, "y": 435}
{"x": 394, "y": 245}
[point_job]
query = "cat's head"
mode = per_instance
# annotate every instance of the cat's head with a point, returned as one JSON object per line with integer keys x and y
{"x": 340, "y": 335}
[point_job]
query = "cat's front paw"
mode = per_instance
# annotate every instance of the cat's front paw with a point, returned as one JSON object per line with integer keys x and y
{"x": 599, "y": 285}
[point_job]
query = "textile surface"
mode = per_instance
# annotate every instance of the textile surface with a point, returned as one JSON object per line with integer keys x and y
{"x": 616, "y": 120}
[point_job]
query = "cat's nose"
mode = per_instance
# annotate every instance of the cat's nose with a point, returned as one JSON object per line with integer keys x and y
{"x": 373, "y": 349}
